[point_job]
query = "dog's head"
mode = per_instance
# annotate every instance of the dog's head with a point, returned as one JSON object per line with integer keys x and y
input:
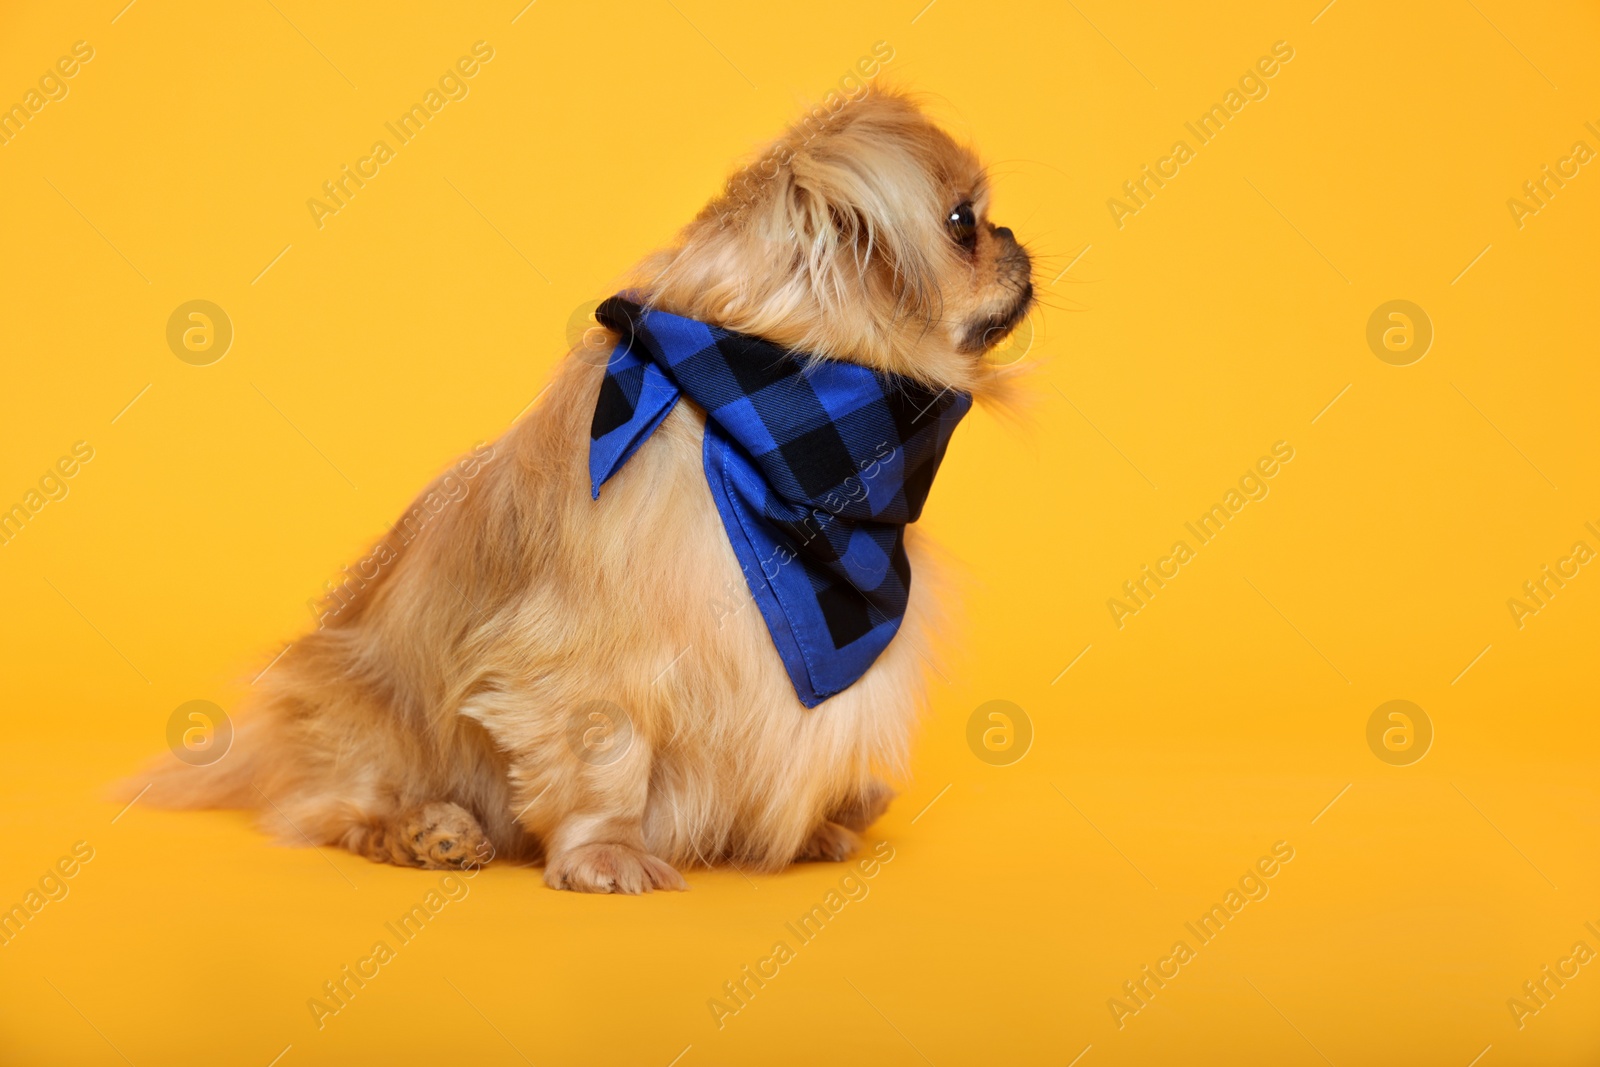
{"x": 861, "y": 236}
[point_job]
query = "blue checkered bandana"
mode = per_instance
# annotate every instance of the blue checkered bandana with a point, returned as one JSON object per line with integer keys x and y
{"x": 816, "y": 467}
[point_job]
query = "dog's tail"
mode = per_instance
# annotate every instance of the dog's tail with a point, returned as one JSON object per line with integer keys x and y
{"x": 171, "y": 782}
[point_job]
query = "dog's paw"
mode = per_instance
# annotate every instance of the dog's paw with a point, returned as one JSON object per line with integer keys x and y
{"x": 862, "y": 811}
{"x": 444, "y": 836}
{"x": 829, "y": 843}
{"x": 609, "y": 867}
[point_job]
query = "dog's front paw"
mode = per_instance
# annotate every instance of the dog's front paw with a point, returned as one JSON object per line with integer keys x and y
{"x": 444, "y": 836}
{"x": 864, "y": 809}
{"x": 609, "y": 867}
{"x": 829, "y": 843}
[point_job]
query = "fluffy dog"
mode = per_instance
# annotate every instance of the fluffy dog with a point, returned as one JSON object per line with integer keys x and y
{"x": 540, "y": 672}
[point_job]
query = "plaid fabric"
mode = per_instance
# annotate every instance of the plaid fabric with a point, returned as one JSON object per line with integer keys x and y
{"x": 815, "y": 465}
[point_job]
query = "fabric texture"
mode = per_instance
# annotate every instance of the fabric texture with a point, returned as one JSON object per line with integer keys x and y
{"x": 816, "y": 467}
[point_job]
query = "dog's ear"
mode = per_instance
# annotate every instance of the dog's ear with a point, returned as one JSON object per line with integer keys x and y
{"x": 858, "y": 199}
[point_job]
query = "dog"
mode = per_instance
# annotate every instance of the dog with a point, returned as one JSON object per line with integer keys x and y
{"x": 551, "y": 671}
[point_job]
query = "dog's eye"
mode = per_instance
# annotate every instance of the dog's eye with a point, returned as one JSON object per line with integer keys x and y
{"x": 963, "y": 225}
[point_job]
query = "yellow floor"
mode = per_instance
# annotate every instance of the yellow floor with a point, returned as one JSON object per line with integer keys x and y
{"x": 1384, "y": 908}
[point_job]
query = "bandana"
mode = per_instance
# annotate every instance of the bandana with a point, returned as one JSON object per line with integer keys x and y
{"x": 816, "y": 467}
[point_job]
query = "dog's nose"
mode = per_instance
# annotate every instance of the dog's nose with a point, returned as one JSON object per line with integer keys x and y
{"x": 1004, "y": 233}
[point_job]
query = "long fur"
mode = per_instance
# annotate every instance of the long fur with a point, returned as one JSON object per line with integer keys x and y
{"x": 432, "y": 722}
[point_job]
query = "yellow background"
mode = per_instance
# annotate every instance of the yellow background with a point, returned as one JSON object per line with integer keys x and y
{"x": 1224, "y": 717}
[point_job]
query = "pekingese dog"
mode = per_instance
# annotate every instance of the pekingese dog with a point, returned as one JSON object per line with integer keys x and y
{"x": 669, "y": 618}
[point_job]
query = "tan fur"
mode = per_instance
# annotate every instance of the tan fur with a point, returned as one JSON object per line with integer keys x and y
{"x": 457, "y": 681}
